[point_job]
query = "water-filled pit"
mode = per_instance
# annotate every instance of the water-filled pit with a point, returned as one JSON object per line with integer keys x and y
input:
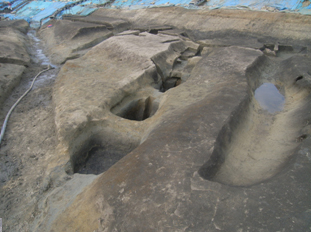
{"x": 269, "y": 98}
{"x": 258, "y": 140}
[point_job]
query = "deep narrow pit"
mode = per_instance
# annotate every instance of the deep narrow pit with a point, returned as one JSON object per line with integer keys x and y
{"x": 176, "y": 75}
{"x": 170, "y": 83}
{"x": 137, "y": 109}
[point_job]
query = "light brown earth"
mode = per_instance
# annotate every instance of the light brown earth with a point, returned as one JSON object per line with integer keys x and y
{"x": 152, "y": 123}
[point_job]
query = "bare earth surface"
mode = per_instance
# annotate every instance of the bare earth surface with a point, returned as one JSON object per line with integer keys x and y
{"x": 151, "y": 120}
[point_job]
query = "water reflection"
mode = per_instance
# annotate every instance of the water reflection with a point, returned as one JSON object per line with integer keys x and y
{"x": 269, "y": 98}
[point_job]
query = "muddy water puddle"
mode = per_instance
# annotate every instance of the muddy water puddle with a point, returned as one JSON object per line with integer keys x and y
{"x": 269, "y": 98}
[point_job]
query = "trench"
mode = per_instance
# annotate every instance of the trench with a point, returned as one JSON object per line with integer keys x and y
{"x": 21, "y": 165}
{"x": 262, "y": 134}
{"x": 38, "y": 57}
{"x": 38, "y": 63}
{"x": 39, "y": 97}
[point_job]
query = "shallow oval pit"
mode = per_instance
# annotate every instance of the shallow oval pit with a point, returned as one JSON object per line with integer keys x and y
{"x": 99, "y": 159}
{"x": 98, "y": 148}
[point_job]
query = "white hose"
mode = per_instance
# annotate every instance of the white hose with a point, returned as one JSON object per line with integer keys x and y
{"x": 12, "y": 108}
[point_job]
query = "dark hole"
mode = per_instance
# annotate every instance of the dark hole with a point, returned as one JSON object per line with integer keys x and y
{"x": 100, "y": 160}
{"x": 299, "y": 78}
{"x": 153, "y": 31}
{"x": 302, "y": 137}
{"x": 170, "y": 83}
{"x": 184, "y": 34}
{"x": 269, "y": 46}
{"x": 285, "y": 48}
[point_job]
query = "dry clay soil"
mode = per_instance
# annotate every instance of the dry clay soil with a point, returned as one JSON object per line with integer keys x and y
{"x": 149, "y": 121}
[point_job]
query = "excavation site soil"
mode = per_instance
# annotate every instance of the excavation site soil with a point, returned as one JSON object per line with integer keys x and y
{"x": 160, "y": 119}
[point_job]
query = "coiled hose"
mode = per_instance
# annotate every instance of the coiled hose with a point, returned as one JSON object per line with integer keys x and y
{"x": 12, "y": 108}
